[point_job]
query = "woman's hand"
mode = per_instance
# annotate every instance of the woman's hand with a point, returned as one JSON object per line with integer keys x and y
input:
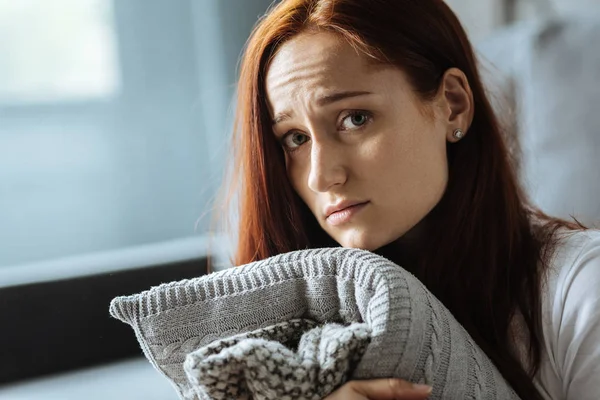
{"x": 380, "y": 389}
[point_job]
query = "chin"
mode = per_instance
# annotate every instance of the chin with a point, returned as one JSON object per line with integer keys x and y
{"x": 369, "y": 238}
{"x": 359, "y": 240}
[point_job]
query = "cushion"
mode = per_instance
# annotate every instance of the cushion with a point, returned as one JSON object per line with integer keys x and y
{"x": 411, "y": 335}
{"x": 270, "y": 363}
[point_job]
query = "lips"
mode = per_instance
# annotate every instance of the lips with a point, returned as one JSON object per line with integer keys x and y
{"x": 339, "y": 207}
{"x": 343, "y": 211}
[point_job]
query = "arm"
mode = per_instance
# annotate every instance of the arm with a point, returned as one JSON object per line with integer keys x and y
{"x": 578, "y": 325}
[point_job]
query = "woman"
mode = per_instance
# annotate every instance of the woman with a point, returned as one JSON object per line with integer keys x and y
{"x": 365, "y": 124}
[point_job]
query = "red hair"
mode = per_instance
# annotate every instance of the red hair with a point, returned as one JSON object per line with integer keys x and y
{"x": 484, "y": 234}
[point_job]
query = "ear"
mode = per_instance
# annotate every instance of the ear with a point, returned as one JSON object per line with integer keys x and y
{"x": 456, "y": 103}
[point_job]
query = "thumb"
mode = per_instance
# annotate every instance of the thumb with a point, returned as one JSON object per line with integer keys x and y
{"x": 391, "y": 389}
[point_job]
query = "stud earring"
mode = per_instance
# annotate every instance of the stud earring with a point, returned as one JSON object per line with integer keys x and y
{"x": 458, "y": 134}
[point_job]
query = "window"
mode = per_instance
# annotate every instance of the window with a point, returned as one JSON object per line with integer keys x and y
{"x": 105, "y": 141}
{"x": 57, "y": 51}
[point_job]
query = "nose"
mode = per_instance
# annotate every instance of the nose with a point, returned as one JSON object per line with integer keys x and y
{"x": 326, "y": 166}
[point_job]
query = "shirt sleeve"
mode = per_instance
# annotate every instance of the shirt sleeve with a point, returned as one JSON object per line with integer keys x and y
{"x": 578, "y": 341}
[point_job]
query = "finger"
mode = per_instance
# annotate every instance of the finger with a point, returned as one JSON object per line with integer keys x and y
{"x": 391, "y": 389}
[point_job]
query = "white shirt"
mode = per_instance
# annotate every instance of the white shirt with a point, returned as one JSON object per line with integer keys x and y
{"x": 570, "y": 367}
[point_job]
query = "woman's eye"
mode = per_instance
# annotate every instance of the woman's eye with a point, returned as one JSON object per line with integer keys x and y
{"x": 355, "y": 120}
{"x": 294, "y": 140}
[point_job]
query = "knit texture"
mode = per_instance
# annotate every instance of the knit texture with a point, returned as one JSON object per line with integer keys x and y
{"x": 412, "y": 335}
{"x": 263, "y": 364}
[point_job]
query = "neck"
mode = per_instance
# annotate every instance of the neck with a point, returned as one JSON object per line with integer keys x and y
{"x": 406, "y": 251}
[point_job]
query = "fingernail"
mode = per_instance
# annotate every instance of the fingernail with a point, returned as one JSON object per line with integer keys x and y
{"x": 422, "y": 388}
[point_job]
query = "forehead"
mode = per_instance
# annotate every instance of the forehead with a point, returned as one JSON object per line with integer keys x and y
{"x": 315, "y": 62}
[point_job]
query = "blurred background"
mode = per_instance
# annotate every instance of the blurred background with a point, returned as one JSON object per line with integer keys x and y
{"x": 114, "y": 124}
{"x": 113, "y": 120}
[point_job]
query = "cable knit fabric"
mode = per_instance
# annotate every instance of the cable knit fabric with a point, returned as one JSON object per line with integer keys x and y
{"x": 204, "y": 333}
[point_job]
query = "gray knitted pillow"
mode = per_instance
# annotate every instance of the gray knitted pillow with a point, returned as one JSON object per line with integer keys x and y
{"x": 411, "y": 334}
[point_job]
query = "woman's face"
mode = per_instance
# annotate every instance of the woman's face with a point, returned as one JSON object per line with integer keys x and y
{"x": 365, "y": 154}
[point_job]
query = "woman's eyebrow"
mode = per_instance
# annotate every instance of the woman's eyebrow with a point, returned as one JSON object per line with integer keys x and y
{"x": 332, "y": 98}
{"x": 281, "y": 117}
{"x": 323, "y": 101}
